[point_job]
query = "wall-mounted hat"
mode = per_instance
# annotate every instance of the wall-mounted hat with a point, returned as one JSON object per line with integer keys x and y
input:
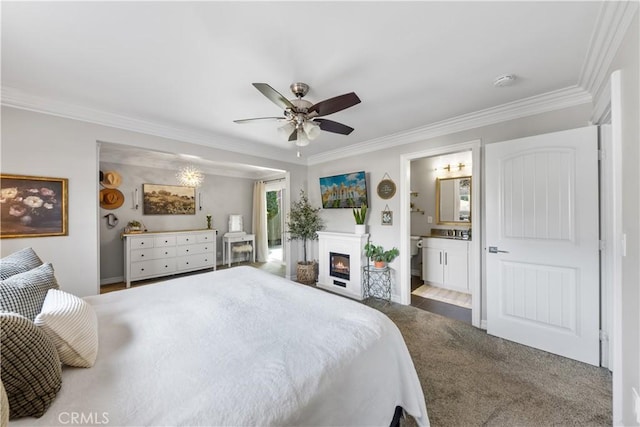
{"x": 110, "y": 198}
{"x": 111, "y": 179}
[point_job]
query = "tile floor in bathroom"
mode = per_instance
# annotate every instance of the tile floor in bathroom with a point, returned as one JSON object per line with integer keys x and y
{"x": 437, "y": 307}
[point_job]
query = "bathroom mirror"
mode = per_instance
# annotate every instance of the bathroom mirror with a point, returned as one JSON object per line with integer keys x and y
{"x": 453, "y": 200}
{"x": 235, "y": 223}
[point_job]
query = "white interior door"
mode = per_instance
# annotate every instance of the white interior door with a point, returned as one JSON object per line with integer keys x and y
{"x": 542, "y": 260}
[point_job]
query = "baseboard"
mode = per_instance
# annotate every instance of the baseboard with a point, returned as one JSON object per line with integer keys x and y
{"x": 483, "y": 325}
{"x": 110, "y": 280}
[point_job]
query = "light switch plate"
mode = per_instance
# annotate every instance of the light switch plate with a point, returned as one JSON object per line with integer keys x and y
{"x": 429, "y": 219}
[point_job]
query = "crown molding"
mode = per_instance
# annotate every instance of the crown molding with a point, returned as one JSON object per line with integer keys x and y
{"x": 550, "y": 101}
{"x": 611, "y": 27}
{"x": 12, "y": 97}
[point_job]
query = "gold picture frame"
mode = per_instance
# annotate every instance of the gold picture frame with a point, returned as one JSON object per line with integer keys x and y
{"x": 163, "y": 199}
{"x": 33, "y": 206}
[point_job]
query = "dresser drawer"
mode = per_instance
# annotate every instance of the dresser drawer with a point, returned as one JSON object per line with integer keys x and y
{"x": 152, "y": 253}
{"x": 198, "y": 248}
{"x": 141, "y": 242}
{"x": 162, "y": 241}
{"x": 195, "y": 261}
{"x": 154, "y": 267}
{"x": 205, "y": 237}
{"x": 186, "y": 239}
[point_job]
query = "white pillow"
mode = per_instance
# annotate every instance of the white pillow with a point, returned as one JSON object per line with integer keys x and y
{"x": 72, "y": 325}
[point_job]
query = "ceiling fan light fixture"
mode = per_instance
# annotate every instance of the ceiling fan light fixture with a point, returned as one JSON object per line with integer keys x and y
{"x": 302, "y": 140}
{"x": 311, "y": 129}
{"x": 286, "y": 130}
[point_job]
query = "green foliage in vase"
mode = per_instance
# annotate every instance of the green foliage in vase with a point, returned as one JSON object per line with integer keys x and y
{"x": 360, "y": 214}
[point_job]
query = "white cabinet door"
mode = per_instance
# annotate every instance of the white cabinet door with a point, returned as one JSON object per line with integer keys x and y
{"x": 432, "y": 265}
{"x": 456, "y": 268}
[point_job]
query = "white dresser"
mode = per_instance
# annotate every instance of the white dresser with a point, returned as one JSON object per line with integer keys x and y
{"x": 156, "y": 254}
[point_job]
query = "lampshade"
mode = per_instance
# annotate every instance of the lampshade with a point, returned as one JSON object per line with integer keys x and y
{"x": 302, "y": 140}
{"x": 311, "y": 129}
{"x": 190, "y": 176}
{"x": 286, "y": 130}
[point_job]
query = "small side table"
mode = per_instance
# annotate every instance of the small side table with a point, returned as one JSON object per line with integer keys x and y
{"x": 376, "y": 282}
{"x": 228, "y": 240}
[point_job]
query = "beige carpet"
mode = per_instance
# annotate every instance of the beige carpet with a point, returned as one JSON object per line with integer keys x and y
{"x": 444, "y": 295}
{"x": 470, "y": 378}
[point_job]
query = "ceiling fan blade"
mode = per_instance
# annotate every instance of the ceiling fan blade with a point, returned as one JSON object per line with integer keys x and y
{"x": 258, "y": 119}
{"x": 294, "y": 135}
{"x": 275, "y": 96}
{"x": 332, "y": 105}
{"x": 335, "y": 127}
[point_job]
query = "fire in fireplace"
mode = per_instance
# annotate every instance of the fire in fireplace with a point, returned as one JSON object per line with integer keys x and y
{"x": 339, "y": 265}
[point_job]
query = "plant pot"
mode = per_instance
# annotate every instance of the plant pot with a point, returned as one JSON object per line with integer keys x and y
{"x": 361, "y": 228}
{"x": 379, "y": 264}
{"x": 306, "y": 273}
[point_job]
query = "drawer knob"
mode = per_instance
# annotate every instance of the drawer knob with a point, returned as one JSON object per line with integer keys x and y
{"x": 166, "y": 266}
{"x": 142, "y": 243}
{"x": 187, "y": 262}
{"x": 166, "y": 253}
{"x": 166, "y": 241}
{"x": 142, "y": 269}
{"x": 141, "y": 255}
{"x": 187, "y": 250}
{"x": 187, "y": 240}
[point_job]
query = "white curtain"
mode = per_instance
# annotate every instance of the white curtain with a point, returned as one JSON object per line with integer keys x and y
{"x": 259, "y": 222}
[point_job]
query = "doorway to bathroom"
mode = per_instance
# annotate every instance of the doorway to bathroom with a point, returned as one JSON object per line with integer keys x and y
{"x": 442, "y": 273}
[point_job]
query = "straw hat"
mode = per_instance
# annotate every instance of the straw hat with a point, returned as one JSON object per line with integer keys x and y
{"x": 110, "y": 198}
{"x": 111, "y": 179}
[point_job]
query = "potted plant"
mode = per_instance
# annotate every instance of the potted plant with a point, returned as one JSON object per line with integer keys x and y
{"x": 379, "y": 256}
{"x": 134, "y": 226}
{"x": 304, "y": 224}
{"x": 360, "y": 215}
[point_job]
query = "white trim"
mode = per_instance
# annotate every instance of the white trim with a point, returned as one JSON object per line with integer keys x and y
{"x": 612, "y": 24}
{"x": 615, "y": 252}
{"x": 16, "y": 98}
{"x": 550, "y": 101}
{"x": 405, "y": 223}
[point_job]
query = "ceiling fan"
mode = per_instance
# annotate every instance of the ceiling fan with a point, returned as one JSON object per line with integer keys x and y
{"x": 302, "y": 117}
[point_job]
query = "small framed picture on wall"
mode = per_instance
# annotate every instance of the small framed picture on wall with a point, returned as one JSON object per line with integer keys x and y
{"x": 387, "y": 217}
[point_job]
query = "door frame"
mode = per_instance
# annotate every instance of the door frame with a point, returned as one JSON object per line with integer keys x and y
{"x": 475, "y": 244}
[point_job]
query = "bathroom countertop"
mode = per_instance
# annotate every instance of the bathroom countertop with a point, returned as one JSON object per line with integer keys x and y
{"x": 447, "y": 237}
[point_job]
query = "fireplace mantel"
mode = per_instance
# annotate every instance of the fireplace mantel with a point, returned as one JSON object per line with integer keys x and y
{"x": 352, "y": 246}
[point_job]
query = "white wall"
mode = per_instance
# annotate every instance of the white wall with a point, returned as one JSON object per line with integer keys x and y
{"x": 220, "y": 196}
{"x": 377, "y": 163}
{"x": 45, "y": 145}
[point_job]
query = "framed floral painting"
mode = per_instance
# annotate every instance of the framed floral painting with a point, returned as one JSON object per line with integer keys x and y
{"x": 33, "y": 206}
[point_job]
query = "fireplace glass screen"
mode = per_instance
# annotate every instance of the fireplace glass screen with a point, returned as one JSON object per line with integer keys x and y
{"x": 339, "y": 265}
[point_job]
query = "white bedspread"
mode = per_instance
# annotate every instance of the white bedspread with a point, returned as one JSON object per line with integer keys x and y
{"x": 238, "y": 347}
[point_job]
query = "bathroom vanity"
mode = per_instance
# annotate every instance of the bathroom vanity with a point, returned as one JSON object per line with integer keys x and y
{"x": 445, "y": 263}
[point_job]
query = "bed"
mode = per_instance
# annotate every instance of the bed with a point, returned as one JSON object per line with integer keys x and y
{"x": 238, "y": 347}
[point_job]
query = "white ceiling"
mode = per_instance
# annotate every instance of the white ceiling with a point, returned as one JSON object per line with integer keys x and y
{"x": 189, "y": 65}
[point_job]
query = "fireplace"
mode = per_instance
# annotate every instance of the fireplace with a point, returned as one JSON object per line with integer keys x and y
{"x": 339, "y": 265}
{"x": 340, "y": 261}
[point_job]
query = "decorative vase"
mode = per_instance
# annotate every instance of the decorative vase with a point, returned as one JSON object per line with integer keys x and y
{"x": 379, "y": 264}
{"x": 361, "y": 228}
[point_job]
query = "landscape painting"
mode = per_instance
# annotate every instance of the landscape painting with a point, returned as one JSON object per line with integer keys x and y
{"x": 344, "y": 191}
{"x": 160, "y": 199}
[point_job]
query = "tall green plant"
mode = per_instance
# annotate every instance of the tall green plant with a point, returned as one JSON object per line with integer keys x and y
{"x": 304, "y": 221}
{"x": 360, "y": 214}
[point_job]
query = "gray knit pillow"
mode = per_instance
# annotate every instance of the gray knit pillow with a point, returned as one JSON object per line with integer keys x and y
{"x": 24, "y": 293}
{"x": 31, "y": 370}
{"x": 18, "y": 262}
